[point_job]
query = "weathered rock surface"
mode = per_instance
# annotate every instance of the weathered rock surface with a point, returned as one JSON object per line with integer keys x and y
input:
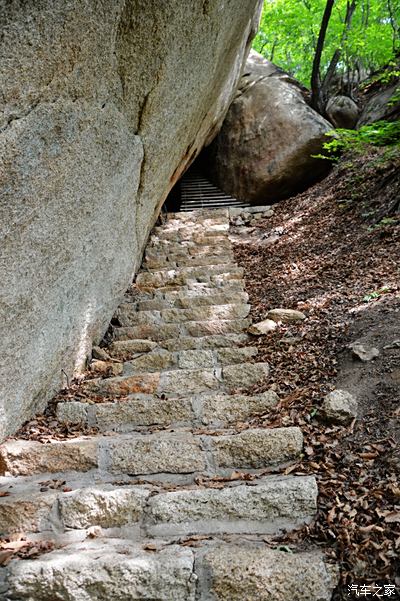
{"x": 363, "y": 352}
{"x": 263, "y": 151}
{"x": 339, "y": 407}
{"x": 259, "y": 574}
{"x": 262, "y": 327}
{"x": 266, "y": 507}
{"x": 106, "y": 571}
{"x": 285, "y": 315}
{"x": 23, "y": 457}
{"x": 377, "y": 107}
{"x": 257, "y": 448}
{"x": 106, "y": 508}
{"x": 89, "y": 149}
{"x": 342, "y": 111}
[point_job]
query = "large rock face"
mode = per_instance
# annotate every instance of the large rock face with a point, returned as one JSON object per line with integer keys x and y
{"x": 103, "y": 106}
{"x": 342, "y": 111}
{"x": 263, "y": 151}
{"x": 381, "y": 105}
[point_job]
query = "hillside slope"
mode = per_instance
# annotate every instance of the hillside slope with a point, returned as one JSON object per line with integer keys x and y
{"x": 334, "y": 253}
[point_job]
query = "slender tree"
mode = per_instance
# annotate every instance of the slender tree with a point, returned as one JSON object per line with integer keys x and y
{"x": 316, "y": 99}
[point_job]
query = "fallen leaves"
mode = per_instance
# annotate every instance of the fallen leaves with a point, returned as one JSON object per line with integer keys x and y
{"x": 18, "y": 546}
{"x": 337, "y": 262}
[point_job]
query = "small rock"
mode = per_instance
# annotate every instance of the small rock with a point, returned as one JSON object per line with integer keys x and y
{"x": 100, "y": 353}
{"x": 260, "y": 209}
{"x": 285, "y": 315}
{"x": 94, "y": 532}
{"x": 107, "y": 368}
{"x": 339, "y": 407}
{"x": 263, "y": 327}
{"x": 268, "y": 214}
{"x": 363, "y": 352}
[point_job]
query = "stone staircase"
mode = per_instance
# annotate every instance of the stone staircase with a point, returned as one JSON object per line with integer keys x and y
{"x": 197, "y": 192}
{"x": 175, "y": 497}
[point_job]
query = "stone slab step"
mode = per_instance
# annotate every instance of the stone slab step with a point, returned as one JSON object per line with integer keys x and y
{"x": 180, "y": 276}
{"x": 104, "y": 570}
{"x": 177, "y": 452}
{"x": 243, "y": 572}
{"x": 187, "y": 301}
{"x": 146, "y": 410}
{"x": 204, "y": 342}
{"x": 159, "y": 332}
{"x": 189, "y": 359}
{"x": 266, "y": 506}
{"x": 182, "y": 382}
{"x": 128, "y": 315}
{"x": 173, "y": 260}
{"x": 200, "y": 214}
{"x": 118, "y": 569}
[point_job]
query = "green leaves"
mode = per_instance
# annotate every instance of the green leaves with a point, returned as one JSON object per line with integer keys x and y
{"x": 381, "y": 133}
{"x": 289, "y": 31}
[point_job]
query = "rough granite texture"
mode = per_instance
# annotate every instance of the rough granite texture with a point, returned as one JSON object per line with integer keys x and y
{"x": 103, "y": 106}
{"x": 106, "y": 571}
{"x": 263, "y": 151}
{"x": 261, "y": 574}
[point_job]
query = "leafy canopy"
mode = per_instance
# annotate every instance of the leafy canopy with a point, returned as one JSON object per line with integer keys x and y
{"x": 289, "y": 31}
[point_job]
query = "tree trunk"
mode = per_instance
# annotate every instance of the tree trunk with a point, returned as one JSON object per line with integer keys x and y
{"x": 324, "y": 86}
{"x": 316, "y": 75}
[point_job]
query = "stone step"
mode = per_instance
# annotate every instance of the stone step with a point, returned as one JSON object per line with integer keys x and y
{"x": 182, "y": 382}
{"x": 197, "y": 290}
{"x": 146, "y": 410}
{"x": 161, "y": 359}
{"x": 210, "y": 223}
{"x": 155, "y": 261}
{"x": 105, "y": 570}
{"x": 115, "y": 569}
{"x": 191, "y": 234}
{"x": 185, "y": 231}
{"x": 128, "y": 315}
{"x": 266, "y": 506}
{"x": 187, "y": 300}
{"x": 214, "y": 284}
{"x": 124, "y": 350}
{"x": 180, "y": 276}
{"x": 177, "y": 452}
{"x": 246, "y": 572}
{"x": 200, "y": 214}
{"x": 165, "y": 247}
{"x": 204, "y": 342}
{"x": 159, "y": 332}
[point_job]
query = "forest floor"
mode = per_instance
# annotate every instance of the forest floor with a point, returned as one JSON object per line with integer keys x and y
{"x": 333, "y": 252}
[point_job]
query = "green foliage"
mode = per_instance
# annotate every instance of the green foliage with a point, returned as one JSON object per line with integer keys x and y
{"x": 383, "y": 223}
{"x": 381, "y": 133}
{"x": 289, "y": 31}
{"x": 395, "y": 99}
{"x": 377, "y": 293}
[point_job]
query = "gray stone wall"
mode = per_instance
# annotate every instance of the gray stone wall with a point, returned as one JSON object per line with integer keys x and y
{"x": 102, "y": 107}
